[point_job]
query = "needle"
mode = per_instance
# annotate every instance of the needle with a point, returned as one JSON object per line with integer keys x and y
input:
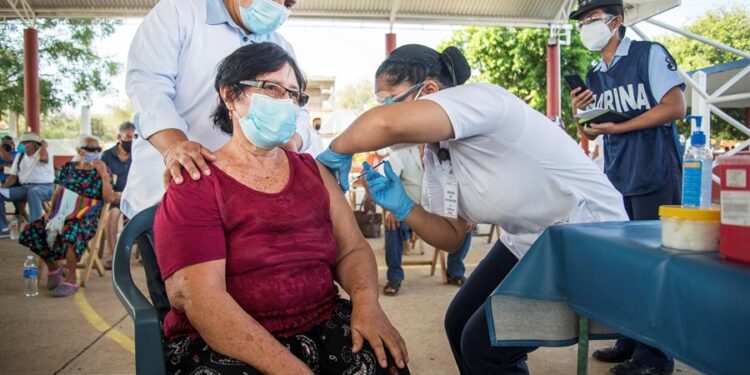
{"x": 363, "y": 174}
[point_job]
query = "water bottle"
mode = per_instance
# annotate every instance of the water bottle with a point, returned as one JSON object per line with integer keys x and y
{"x": 14, "y": 224}
{"x": 697, "y": 169}
{"x": 30, "y": 277}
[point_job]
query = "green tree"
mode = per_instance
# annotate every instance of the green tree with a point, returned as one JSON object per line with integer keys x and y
{"x": 728, "y": 25}
{"x": 70, "y": 68}
{"x": 358, "y": 96}
{"x": 515, "y": 58}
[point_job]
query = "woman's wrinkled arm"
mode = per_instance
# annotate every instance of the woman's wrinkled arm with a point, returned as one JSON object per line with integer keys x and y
{"x": 200, "y": 291}
{"x": 356, "y": 271}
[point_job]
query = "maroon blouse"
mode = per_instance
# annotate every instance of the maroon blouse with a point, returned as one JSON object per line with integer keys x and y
{"x": 279, "y": 248}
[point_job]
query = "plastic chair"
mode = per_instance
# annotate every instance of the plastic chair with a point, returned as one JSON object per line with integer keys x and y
{"x": 149, "y": 347}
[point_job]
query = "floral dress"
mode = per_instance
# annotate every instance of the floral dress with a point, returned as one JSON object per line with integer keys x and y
{"x": 76, "y": 232}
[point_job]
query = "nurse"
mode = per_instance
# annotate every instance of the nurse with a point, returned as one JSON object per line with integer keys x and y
{"x": 490, "y": 158}
{"x": 641, "y": 155}
{"x": 170, "y": 76}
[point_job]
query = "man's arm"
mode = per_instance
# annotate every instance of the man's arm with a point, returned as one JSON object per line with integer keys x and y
{"x": 441, "y": 232}
{"x": 671, "y": 107}
{"x": 43, "y": 154}
{"x": 7, "y": 157}
{"x": 12, "y": 179}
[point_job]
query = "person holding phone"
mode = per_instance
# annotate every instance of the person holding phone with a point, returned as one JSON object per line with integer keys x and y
{"x": 642, "y": 156}
{"x": 489, "y": 158}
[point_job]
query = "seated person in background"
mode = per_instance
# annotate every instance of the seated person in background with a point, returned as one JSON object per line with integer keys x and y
{"x": 81, "y": 186}
{"x": 7, "y": 154}
{"x": 249, "y": 253}
{"x": 118, "y": 161}
{"x": 33, "y": 170}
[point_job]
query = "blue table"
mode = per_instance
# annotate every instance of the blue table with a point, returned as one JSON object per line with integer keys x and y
{"x": 693, "y": 306}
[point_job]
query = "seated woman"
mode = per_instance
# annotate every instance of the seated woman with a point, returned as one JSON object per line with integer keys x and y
{"x": 249, "y": 253}
{"x": 82, "y": 187}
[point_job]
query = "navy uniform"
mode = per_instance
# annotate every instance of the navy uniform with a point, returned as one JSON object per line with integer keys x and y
{"x": 644, "y": 165}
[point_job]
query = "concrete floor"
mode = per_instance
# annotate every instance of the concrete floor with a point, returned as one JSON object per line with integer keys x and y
{"x": 90, "y": 333}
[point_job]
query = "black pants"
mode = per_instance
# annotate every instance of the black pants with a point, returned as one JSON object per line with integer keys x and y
{"x": 646, "y": 207}
{"x": 326, "y": 350}
{"x": 466, "y": 322}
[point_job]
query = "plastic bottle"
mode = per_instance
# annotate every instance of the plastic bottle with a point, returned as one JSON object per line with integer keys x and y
{"x": 697, "y": 169}
{"x": 30, "y": 277}
{"x": 13, "y": 226}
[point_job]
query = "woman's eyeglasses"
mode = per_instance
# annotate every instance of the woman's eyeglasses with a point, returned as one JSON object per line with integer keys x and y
{"x": 384, "y": 98}
{"x": 91, "y": 149}
{"x": 277, "y": 91}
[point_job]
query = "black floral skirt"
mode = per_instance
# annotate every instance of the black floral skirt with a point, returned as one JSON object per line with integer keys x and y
{"x": 326, "y": 349}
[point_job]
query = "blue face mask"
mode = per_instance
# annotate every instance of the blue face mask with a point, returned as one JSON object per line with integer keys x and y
{"x": 89, "y": 157}
{"x": 270, "y": 122}
{"x": 21, "y": 148}
{"x": 264, "y": 16}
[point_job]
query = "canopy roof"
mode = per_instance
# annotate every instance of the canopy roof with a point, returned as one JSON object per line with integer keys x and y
{"x": 533, "y": 13}
{"x": 718, "y": 75}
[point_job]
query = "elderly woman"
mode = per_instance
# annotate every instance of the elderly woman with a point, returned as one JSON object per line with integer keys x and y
{"x": 82, "y": 187}
{"x": 249, "y": 253}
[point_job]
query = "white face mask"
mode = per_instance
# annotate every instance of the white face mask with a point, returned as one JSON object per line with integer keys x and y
{"x": 597, "y": 34}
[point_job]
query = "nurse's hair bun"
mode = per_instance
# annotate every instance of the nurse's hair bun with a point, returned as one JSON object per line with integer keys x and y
{"x": 456, "y": 64}
{"x": 415, "y": 63}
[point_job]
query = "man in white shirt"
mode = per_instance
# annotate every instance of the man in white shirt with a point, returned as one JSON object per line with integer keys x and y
{"x": 316, "y": 142}
{"x": 31, "y": 179}
{"x": 170, "y": 81}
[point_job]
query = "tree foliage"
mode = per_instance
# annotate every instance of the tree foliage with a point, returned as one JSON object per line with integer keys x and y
{"x": 515, "y": 58}
{"x": 70, "y": 68}
{"x": 358, "y": 96}
{"x": 728, "y": 25}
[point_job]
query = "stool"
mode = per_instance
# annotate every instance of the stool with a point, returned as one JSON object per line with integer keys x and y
{"x": 437, "y": 254}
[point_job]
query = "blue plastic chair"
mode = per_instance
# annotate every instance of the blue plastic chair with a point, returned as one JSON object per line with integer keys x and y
{"x": 148, "y": 317}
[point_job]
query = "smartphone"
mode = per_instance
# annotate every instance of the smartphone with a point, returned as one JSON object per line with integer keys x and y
{"x": 575, "y": 81}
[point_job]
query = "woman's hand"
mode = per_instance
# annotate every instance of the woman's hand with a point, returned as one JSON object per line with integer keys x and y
{"x": 339, "y": 164}
{"x": 370, "y": 323}
{"x": 189, "y": 155}
{"x": 581, "y": 99}
{"x": 101, "y": 168}
{"x": 387, "y": 191}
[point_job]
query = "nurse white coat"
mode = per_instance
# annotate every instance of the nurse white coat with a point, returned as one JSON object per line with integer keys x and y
{"x": 515, "y": 168}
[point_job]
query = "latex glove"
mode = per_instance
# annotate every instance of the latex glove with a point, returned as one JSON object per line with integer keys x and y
{"x": 387, "y": 191}
{"x": 339, "y": 164}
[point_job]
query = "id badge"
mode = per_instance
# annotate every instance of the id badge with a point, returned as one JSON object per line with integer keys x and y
{"x": 450, "y": 193}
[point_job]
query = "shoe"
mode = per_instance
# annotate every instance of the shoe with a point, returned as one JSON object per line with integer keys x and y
{"x": 631, "y": 367}
{"x": 391, "y": 288}
{"x": 65, "y": 289}
{"x": 613, "y": 354}
{"x": 456, "y": 280}
{"x": 54, "y": 278}
{"x": 5, "y": 233}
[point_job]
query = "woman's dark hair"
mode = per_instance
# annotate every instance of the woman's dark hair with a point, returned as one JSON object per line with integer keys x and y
{"x": 414, "y": 63}
{"x": 617, "y": 10}
{"x": 247, "y": 63}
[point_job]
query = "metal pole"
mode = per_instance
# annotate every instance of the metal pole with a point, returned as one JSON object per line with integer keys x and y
{"x": 31, "y": 78}
{"x": 699, "y": 105}
{"x": 86, "y": 120}
{"x": 583, "y": 345}
{"x": 699, "y": 38}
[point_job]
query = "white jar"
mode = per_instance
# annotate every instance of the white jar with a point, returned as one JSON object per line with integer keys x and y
{"x": 690, "y": 228}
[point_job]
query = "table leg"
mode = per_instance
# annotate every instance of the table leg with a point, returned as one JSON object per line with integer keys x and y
{"x": 583, "y": 345}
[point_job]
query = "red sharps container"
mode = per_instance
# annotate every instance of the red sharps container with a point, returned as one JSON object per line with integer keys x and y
{"x": 735, "y": 207}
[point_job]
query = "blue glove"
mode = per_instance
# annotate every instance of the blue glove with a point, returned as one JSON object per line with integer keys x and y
{"x": 387, "y": 191}
{"x": 339, "y": 164}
